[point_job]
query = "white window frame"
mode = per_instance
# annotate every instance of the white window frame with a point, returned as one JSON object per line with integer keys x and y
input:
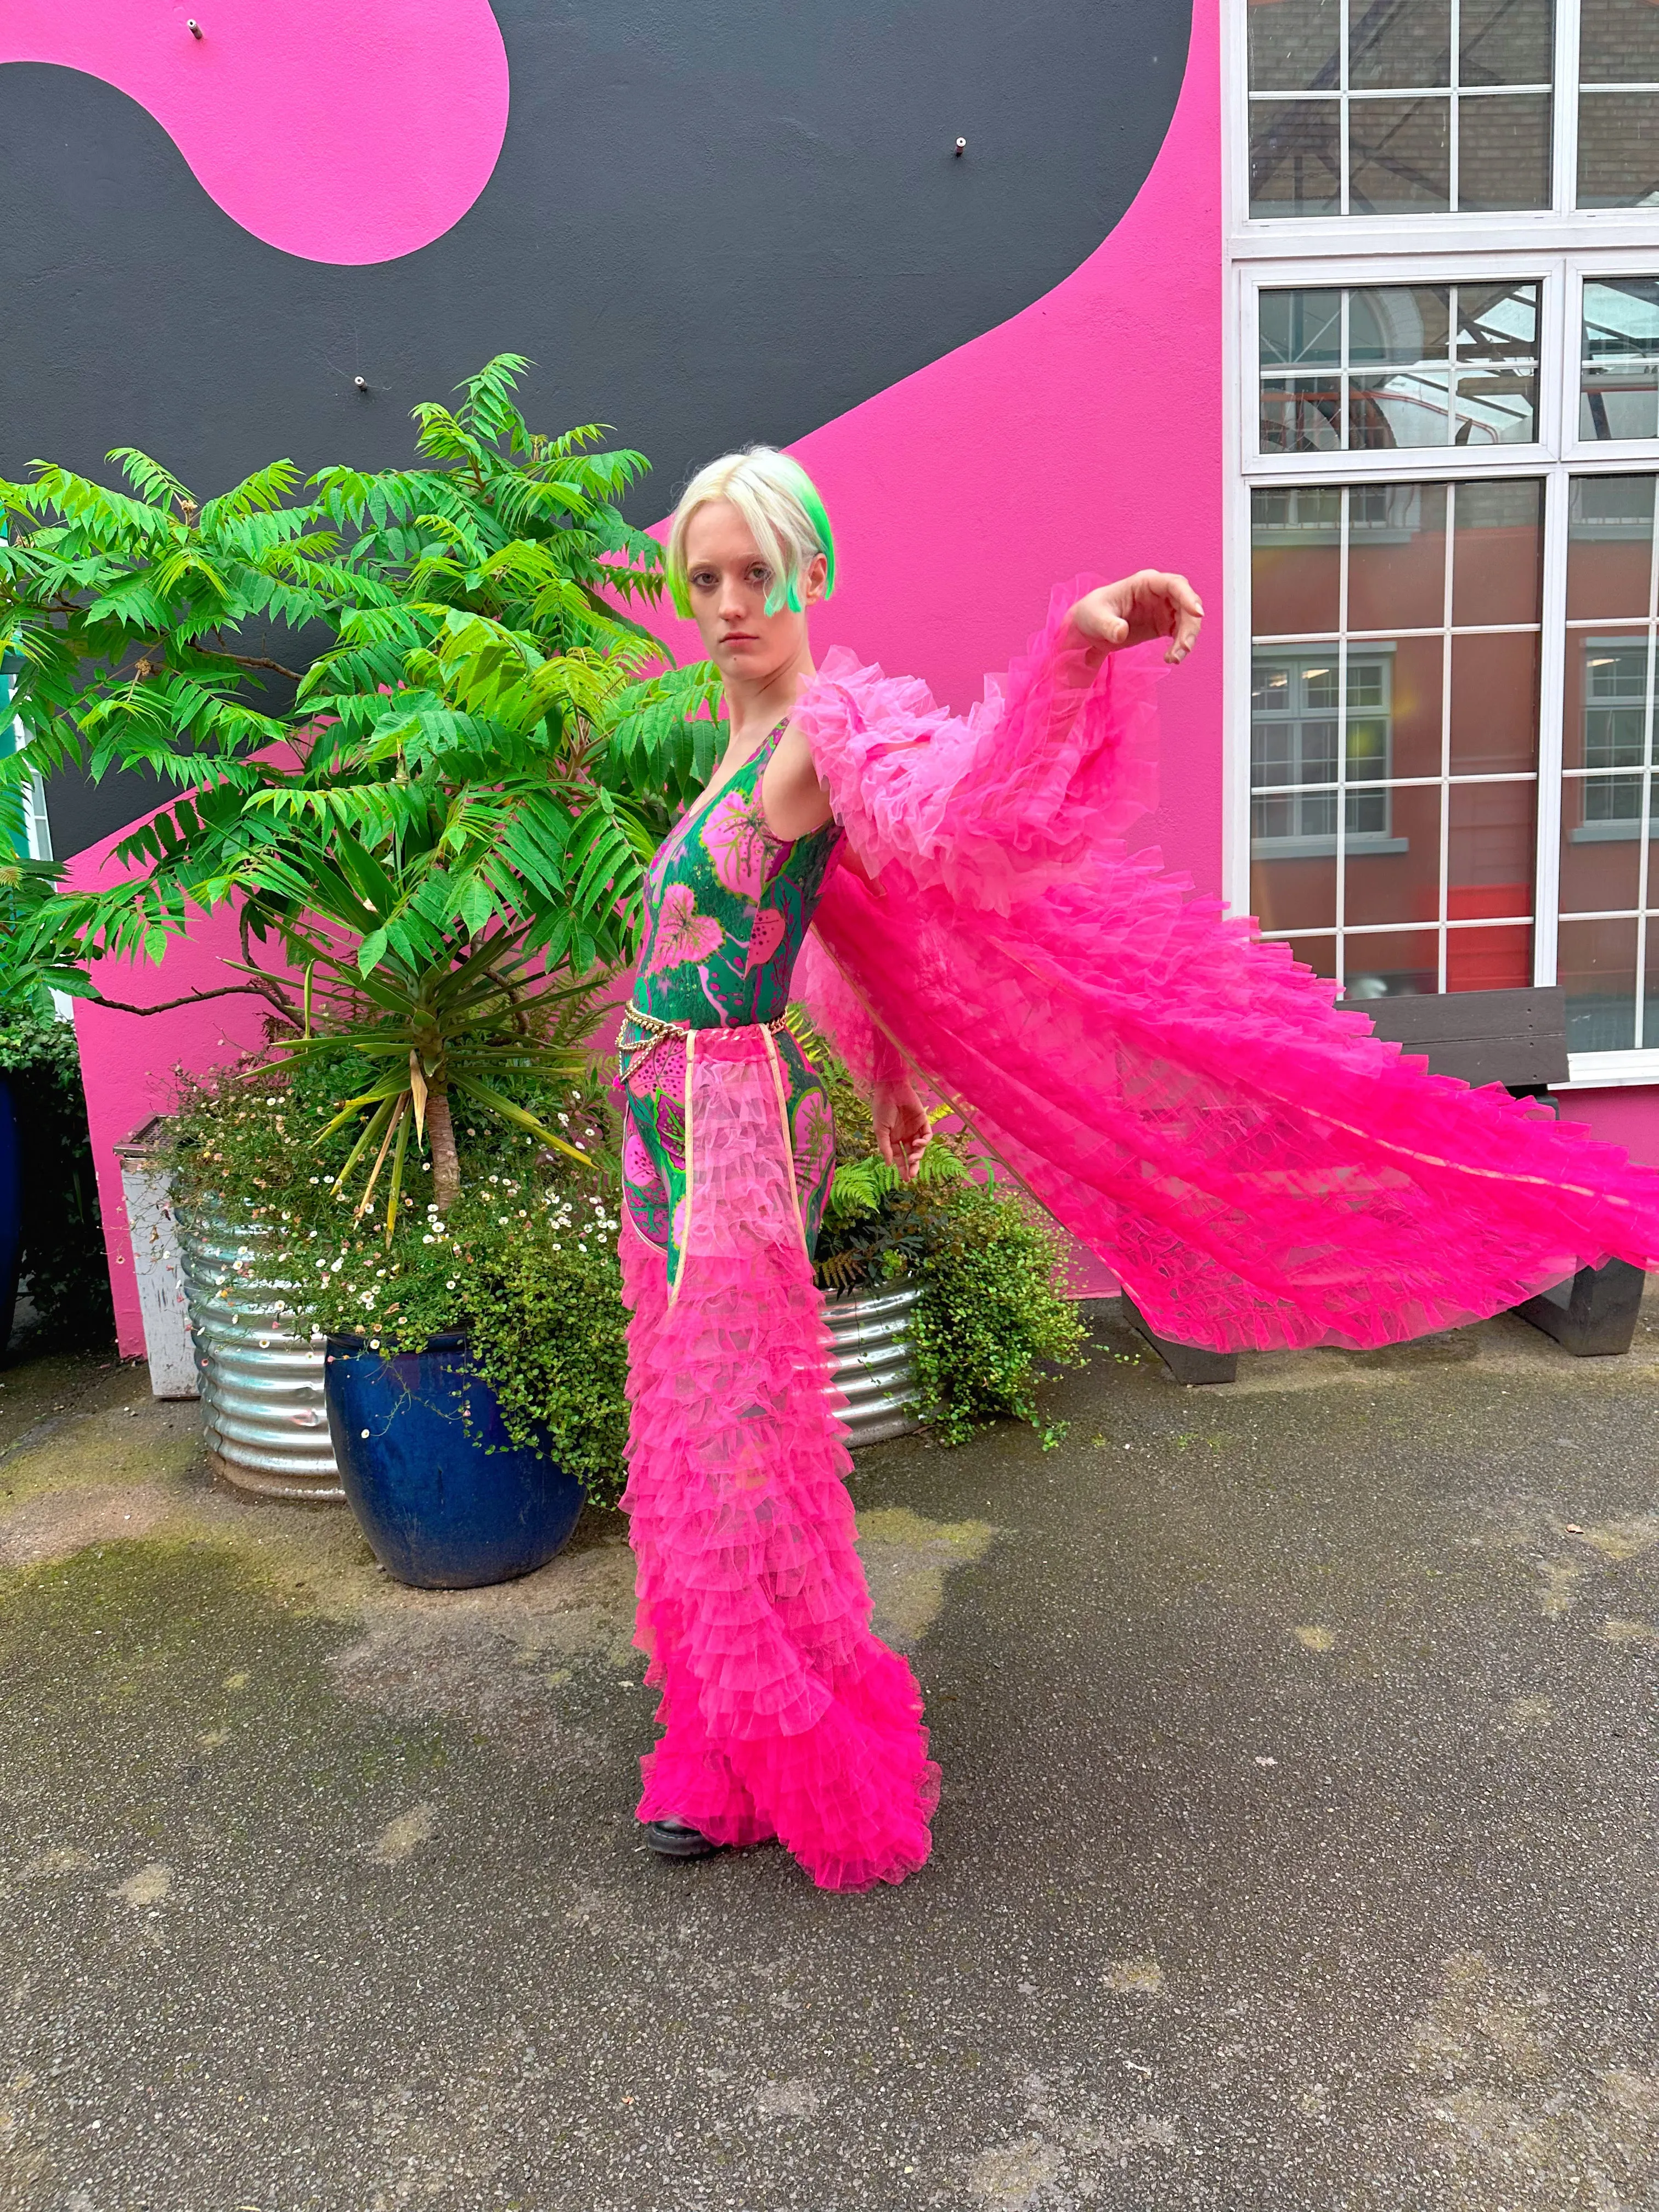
{"x": 1559, "y": 248}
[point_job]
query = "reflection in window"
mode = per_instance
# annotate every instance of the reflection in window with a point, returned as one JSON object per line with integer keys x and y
{"x": 1609, "y": 931}
{"x": 1407, "y": 118}
{"x": 1293, "y": 742}
{"x": 1399, "y": 365}
{"x": 1619, "y": 394}
{"x": 1618, "y": 732}
{"x": 1394, "y": 726}
{"x": 1618, "y": 104}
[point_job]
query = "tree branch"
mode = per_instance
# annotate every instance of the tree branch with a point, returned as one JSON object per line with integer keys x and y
{"x": 199, "y": 998}
{"x": 256, "y": 660}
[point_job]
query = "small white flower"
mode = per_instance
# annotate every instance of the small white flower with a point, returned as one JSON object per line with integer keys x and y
{"x": 429, "y": 1239}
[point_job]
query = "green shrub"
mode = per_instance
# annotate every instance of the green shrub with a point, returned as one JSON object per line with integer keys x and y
{"x": 993, "y": 1310}
{"x": 992, "y": 1313}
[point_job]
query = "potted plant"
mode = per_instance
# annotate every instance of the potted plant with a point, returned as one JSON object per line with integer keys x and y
{"x": 431, "y": 825}
{"x": 952, "y": 1286}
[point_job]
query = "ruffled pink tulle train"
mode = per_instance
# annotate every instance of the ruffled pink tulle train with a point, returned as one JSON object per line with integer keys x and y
{"x": 1258, "y": 1167}
{"x": 783, "y": 1715}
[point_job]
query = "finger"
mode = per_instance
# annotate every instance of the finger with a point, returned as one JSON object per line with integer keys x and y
{"x": 1186, "y": 616}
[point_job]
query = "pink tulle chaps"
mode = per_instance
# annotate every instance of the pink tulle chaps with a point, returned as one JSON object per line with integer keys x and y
{"x": 782, "y": 1714}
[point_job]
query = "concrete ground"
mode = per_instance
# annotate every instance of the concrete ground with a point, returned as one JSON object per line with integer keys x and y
{"x": 1296, "y": 1848}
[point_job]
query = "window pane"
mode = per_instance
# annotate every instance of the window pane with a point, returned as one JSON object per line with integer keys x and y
{"x": 1397, "y": 556}
{"x": 1497, "y": 322}
{"x": 1294, "y": 44}
{"x": 1295, "y": 165}
{"x": 1489, "y": 959}
{"x": 1397, "y": 325}
{"x": 1621, "y": 391}
{"x": 1595, "y": 963}
{"x": 1415, "y": 733}
{"x": 1301, "y": 414}
{"x": 1619, "y": 42}
{"x": 1504, "y": 152}
{"x": 1395, "y": 875}
{"x": 1293, "y": 893}
{"x": 1619, "y": 148}
{"x": 1494, "y": 704}
{"x": 1301, "y": 329}
{"x": 1492, "y": 833}
{"x": 1296, "y": 559}
{"x": 1407, "y": 42}
{"x": 1392, "y": 964}
{"x": 1506, "y": 42}
{"x": 1399, "y": 156}
{"x": 1609, "y": 547}
{"x": 1498, "y": 562}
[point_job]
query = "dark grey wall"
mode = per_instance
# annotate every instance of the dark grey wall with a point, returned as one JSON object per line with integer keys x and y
{"x": 710, "y": 224}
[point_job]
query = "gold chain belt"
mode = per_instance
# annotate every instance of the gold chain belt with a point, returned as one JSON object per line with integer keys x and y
{"x": 656, "y": 1029}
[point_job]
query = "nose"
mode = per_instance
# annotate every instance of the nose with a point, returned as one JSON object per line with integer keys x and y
{"x": 733, "y": 606}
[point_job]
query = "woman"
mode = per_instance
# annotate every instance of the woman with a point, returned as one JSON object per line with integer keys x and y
{"x": 1257, "y": 1168}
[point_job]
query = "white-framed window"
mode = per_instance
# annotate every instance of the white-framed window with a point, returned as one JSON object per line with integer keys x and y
{"x": 1445, "y": 338}
{"x": 1372, "y": 112}
{"x": 37, "y": 832}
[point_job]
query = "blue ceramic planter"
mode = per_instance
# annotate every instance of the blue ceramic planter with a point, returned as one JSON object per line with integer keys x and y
{"x": 444, "y": 1497}
{"x": 11, "y": 1212}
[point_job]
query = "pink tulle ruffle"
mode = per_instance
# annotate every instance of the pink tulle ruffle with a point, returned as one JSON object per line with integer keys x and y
{"x": 1257, "y": 1166}
{"x": 783, "y": 1715}
{"x": 993, "y": 805}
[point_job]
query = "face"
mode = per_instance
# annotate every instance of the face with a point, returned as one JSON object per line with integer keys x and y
{"x": 728, "y": 581}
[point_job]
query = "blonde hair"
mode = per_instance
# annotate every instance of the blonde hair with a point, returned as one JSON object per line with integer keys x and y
{"x": 779, "y": 503}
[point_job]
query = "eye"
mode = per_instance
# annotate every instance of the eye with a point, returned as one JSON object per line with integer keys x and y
{"x": 703, "y": 580}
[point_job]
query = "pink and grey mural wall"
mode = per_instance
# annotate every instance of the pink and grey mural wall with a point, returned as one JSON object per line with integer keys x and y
{"x": 1003, "y": 365}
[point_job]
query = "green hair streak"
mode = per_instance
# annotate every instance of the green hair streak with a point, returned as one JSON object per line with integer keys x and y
{"x": 807, "y": 492}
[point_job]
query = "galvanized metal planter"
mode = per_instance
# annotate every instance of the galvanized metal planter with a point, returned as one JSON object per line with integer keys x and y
{"x": 871, "y": 1332}
{"x": 262, "y": 1385}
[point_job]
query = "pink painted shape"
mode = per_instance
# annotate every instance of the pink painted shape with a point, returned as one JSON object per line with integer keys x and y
{"x": 345, "y": 130}
{"x": 1084, "y": 433}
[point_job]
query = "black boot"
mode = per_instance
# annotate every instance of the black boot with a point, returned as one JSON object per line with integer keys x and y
{"x": 678, "y": 1839}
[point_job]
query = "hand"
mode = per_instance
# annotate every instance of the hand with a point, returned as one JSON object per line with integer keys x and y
{"x": 901, "y": 1125}
{"x": 1149, "y": 604}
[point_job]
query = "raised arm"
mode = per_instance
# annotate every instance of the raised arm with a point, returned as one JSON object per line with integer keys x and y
{"x": 996, "y": 804}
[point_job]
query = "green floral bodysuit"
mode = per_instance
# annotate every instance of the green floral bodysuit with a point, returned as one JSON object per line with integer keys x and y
{"x": 728, "y": 906}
